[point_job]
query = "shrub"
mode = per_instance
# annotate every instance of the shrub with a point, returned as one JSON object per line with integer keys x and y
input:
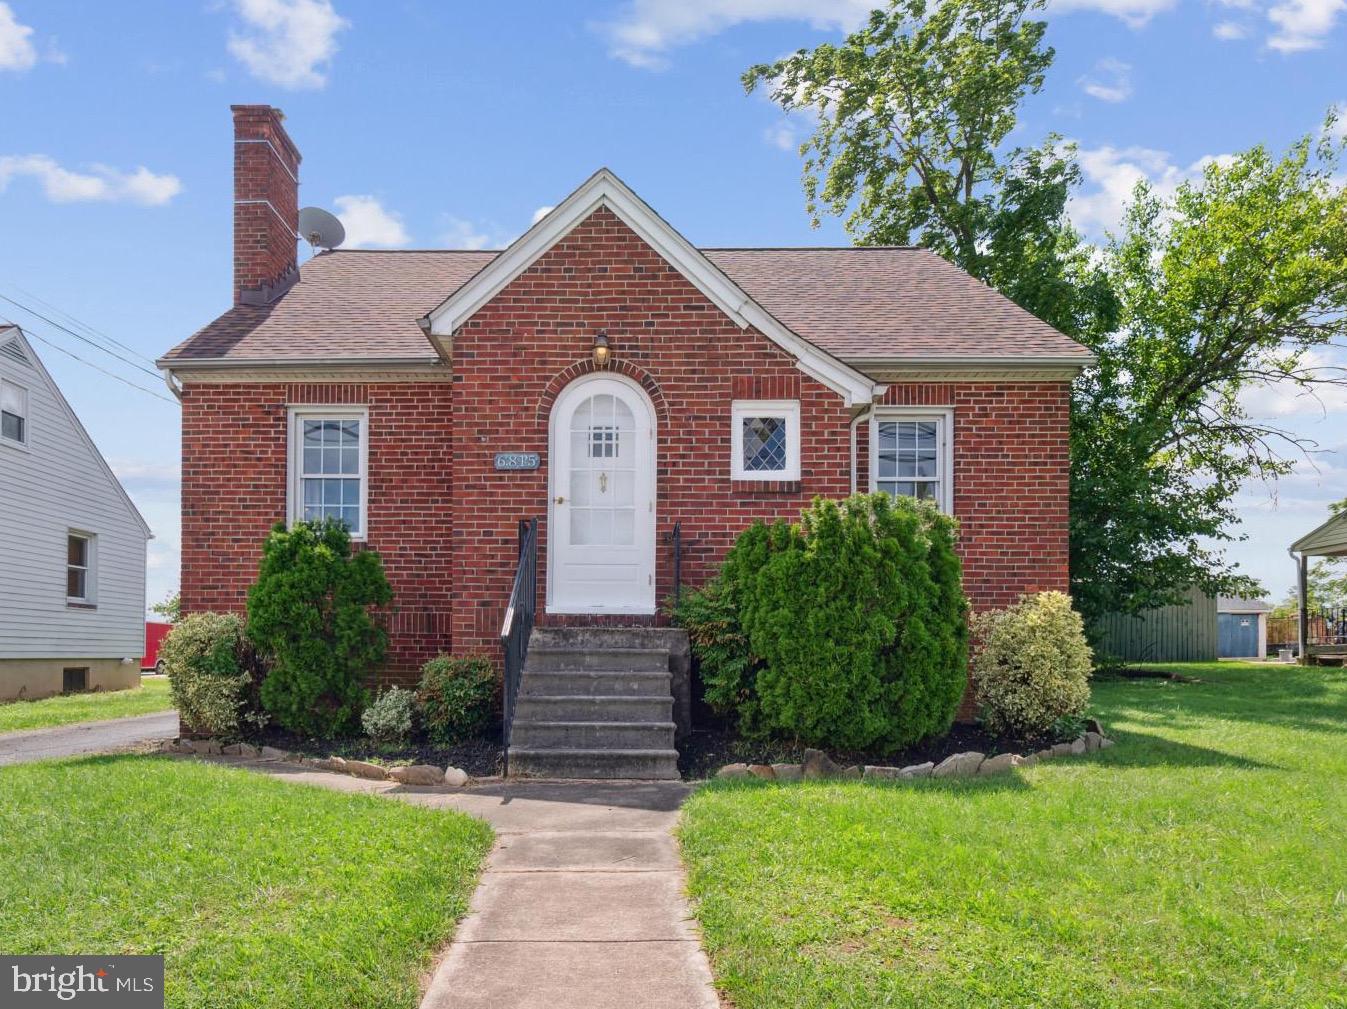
{"x": 1031, "y": 664}
{"x": 456, "y": 696}
{"x": 847, "y": 630}
{"x": 204, "y": 656}
{"x": 388, "y": 721}
{"x": 309, "y": 614}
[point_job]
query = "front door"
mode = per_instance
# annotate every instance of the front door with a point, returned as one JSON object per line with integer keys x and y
{"x": 601, "y": 537}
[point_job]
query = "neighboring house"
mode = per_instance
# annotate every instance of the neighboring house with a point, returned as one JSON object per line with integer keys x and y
{"x": 637, "y": 384}
{"x": 72, "y": 581}
{"x": 1242, "y": 627}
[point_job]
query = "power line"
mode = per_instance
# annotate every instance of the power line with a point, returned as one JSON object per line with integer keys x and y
{"x": 90, "y": 364}
{"x": 81, "y": 323}
{"x": 77, "y": 336}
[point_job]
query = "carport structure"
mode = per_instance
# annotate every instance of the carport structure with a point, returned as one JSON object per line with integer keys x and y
{"x": 1323, "y": 638}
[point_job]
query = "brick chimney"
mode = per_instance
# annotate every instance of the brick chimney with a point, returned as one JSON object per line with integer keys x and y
{"x": 266, "y": 205}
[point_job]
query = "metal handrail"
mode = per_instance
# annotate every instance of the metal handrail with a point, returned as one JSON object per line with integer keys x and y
{"x": 677, "y": 536}
{"x": 517, "y": 626}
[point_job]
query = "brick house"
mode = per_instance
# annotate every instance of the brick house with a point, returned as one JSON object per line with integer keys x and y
{"x": 380, "y": 387}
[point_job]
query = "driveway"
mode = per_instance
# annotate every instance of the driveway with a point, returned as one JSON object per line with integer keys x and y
{"x": 86, "y": 737}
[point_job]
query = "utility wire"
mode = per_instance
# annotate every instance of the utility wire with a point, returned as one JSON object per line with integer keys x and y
{"x": 68, "y": 353}
{"x": 77, "y": 336}
{"x": 81, "y": 323}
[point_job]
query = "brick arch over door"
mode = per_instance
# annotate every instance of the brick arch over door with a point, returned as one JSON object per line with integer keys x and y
{"x": 617, "y": 366}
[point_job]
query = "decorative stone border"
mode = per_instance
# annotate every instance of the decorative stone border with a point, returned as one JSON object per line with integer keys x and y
{"x": 818, "y": 765}
{"x": 403, "y": 774}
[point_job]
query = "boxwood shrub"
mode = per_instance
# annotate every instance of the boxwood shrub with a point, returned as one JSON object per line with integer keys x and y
{"x": 847, "y": 630}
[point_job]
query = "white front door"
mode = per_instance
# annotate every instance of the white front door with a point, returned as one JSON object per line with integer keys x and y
{"x": 601, "y": 537}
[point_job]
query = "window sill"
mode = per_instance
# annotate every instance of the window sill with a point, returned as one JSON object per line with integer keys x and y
{"x": 75, "y": 604}
{"x": 764, "y": 487}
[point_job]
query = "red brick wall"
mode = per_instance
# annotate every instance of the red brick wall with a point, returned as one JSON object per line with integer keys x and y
{"x": 234, "y": 445}
{"x": 518, "y": 352}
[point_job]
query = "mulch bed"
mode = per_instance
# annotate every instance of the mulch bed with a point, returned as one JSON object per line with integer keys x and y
{"x": 481, "y": 758}
{"x": 712, "y": 745}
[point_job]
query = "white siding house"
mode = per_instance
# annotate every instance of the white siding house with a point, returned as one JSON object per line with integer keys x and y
{"x": 72, "y": 545}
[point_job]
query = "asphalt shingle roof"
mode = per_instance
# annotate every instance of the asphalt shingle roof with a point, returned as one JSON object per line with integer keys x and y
{"x": 857, "y": 304}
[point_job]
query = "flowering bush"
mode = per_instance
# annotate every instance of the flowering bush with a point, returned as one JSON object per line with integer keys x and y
{"x": 1031, "y": 664}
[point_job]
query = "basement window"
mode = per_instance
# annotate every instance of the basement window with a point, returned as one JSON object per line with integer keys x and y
{"x": 75, "y": 680}
{"x": 329, "y": 452}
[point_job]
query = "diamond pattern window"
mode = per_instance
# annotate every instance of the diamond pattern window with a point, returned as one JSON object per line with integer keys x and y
{"x": 765, "y": 440}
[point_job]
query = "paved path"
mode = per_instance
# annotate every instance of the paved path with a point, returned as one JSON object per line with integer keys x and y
{"x": 581, "y": 905}
{"x": 86, "y": 737}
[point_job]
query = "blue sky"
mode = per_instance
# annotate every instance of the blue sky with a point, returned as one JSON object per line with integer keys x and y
{"x": 432, "y": 124}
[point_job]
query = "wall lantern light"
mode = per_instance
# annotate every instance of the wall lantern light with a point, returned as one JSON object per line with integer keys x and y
{"x": 601, "y": 350}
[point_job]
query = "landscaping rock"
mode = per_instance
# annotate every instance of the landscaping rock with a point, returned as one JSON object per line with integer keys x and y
{"x": 1092, "y": 725}
{"x": 788, "y": 772}
{"x": 818, "y": 764}
{"x": 763, "y": 771}
{"x": 206, "y": 747}
{"x": 917, "y": 770}
{"x": 1045, "y": 754}
{"x": 337, "y": 764}
{"x": 1105, "y": 743}
{"x": 1093, "y": 741}
{"x": 873, "y": 773}
{"x": 1063, "y": 749}
{"x": 1000, "y": 763}
{"x": 854, "y": 771}
{"x": 417, "y": 774}
{"x": 958, "y": 765}
{"x": 241, "y": 750}
{"x": 455, "y": 776}
{"x": 360, "y": 768}
{"x": 271, "y": 753}
{"x": 733, "y": 771}
{"x": 1029, "y": 761}
{"x": 1078, "y": 746}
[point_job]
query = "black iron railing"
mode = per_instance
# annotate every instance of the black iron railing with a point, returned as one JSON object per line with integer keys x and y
{"x": 676, "y": 538}
{"x": 518, "y": 624}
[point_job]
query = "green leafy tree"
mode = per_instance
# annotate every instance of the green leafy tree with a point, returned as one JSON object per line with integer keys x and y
{"x": 913, "y": 114}
{"x": 1235, "y": 281}
{"x": 170, "y": 607}
{"x": 310, "y": 618}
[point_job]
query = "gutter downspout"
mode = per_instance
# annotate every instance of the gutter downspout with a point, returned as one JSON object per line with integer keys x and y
{"x": 173, "y": 386}
{"x": 865, "y": 414}
{"x": 1302, "y": 600}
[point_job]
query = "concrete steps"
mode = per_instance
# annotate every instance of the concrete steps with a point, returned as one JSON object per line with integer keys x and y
{"x": 596, "y": 703}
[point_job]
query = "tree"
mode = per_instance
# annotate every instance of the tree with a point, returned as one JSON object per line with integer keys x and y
{"x": 170, "y": 607}
{"x": 309, "y": 616}
{"x": 1235, "y": 280}
{"x": 913, "y": 112}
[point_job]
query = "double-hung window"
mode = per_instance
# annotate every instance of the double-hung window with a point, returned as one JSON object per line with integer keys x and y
{"x": 765, "y": 440}
{"x": 329, "y": 451}
{"x": 13, "y": 413}
{"x": 79, "y": 568}
{"x": 911, "y": 455}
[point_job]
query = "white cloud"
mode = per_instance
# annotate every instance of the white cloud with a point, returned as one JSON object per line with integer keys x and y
{"x": 540, "y": 213}
{"x": 1111, "y": 81}
{"x": 1133, "y": 13}
{"x": 1280, "y": 400}
{"x": 782, "y": 136}
{"x": 1302, "y": 24}
{"x": 16, "y": 48}
{"x": 147, "y": 474}
{"x": 1111, "y": 174}
{"x": 100, "y": 183}
{"x": 646, "y": 29}
{"x": 368, "y": 224}
{"x": 287, "y": 42}
{"x": 461, "y": 234}
{"x": 1230, "y": 31}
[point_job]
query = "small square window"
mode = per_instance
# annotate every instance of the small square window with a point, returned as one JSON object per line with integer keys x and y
{"x": 765, "y": 440}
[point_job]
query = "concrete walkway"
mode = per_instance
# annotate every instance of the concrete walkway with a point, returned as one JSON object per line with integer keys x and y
{"x": 581, "y": 904}
{"x": 86, "y": 737}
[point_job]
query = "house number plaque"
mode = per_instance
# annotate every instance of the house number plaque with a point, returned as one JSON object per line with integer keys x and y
{"x": 517, "y": 460}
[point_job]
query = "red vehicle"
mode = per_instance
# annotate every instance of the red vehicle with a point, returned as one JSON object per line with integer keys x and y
{"x": 154, "y": 636}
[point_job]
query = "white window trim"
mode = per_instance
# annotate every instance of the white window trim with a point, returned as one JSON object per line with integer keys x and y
{"x": 294, "y": 497}
{"x": 90, "y": 597}
{"x": 787, "y": 409}
{"x": 944, "y": 419}
{"x": 27, "y": 417}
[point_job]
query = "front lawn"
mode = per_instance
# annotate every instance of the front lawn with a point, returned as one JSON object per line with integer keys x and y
{"x": 66, "y": 709}
{"x": 260, "y": 893}
{"x": 1201, "y": 862}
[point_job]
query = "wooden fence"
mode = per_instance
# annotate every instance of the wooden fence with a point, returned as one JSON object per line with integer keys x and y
{"x": 1184, "y": 633}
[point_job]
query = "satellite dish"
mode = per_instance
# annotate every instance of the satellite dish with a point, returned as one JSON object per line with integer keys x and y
{"x": 321, "y": 229}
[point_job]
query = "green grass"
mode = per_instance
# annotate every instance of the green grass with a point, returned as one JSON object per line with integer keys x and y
{"x": 261, "y": 894}
{"x": 1201, "y": 862}
{"x": 151, "y": 696}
